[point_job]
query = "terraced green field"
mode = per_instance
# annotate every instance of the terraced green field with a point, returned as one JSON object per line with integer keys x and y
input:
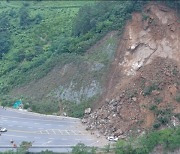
{"x": 31, "y": 45}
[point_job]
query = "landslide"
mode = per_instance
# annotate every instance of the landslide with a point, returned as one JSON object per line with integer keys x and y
{"x": 143, "y": 89}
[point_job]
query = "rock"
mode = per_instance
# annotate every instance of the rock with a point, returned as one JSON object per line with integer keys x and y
{"x": 118, "y": 132}
{"x": 98, "y": 135}
{"x": 84, "y": 120}
{"x": 164, "y": 9}
{"x": 145, "y": 25}
{"x": 134, "y": 99}
{"x": 87, "y": 111}
{"x": 122, "y": 137}
{"x": 118, "y": 98}
{"x": 155, "y": 92}
{"x": 64, "y": 114}
{"x": 119, "y": 109}
{"x": 114, "y": 115}
{"x": 29, "y": 110}
{"x": 107, "y": 100}
{"x": 88, "y": 128}
{"x": 112, "y": 101}
{"x": 173, "y": 28}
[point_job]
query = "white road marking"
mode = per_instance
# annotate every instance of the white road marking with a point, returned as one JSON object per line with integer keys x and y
{"x": 60, "y": 132}
{"x": 14, "y": 136}
{"x": 53, "y": 131}
{"x": 74, "y": 132}
{"x": 67, "y": 132}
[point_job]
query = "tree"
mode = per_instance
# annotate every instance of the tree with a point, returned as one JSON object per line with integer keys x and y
{"x": 5, "y": 41}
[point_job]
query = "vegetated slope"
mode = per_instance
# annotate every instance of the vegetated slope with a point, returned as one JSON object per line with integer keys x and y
{"x": 144, "y": 82}
{"x": 46, "y": 36}
{"x": 33, "y": 35}
{"x": 74, "y": 79}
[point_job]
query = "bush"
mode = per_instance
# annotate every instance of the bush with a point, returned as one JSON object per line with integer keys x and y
{"x": 148, "y": 90}
{"x": 163, "y": 119}
{"x": 156, "y": 125}
{"x": 75, "y": 110}
{"x": 177, "y": 115}
{"x": 80, "y": 148}
{"x": 178, "y": 97}
{"x": 45, "y": 107}
{"x": 153, "y": 108}
{"x": 158, "y": 100}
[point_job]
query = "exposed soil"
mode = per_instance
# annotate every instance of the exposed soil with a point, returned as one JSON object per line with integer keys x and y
{"x": 144, "y": 79}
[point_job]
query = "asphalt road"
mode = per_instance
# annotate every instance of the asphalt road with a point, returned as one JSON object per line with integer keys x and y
{"x": 46, "y": 132}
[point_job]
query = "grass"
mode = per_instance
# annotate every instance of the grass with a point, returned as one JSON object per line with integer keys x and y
{"x": 177, "y": 98}
{"x": 35, "y": 41}
{"x": 148, "y": 90}
{"x": 168, "y": 139}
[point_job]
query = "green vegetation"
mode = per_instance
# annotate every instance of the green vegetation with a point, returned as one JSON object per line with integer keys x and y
{"x": 163, "y": 116}
{"x": 177, "y": 97}
{"x": 148, "y": 90}
{"x": 75, "y": 110}
{"x": 37, "y": 35}
{"x": 33, "y": 35}
{"x": 169, "y": 139}
{"x": 158, "y": 100}
{"x": 81, "y": 148}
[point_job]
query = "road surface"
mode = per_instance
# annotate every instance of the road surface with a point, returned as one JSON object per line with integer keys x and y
{"x": 45, "y": 132}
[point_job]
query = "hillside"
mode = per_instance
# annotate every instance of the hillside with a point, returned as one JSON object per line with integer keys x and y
{"x": 55, "y": 55}
{"x": 115, "y": 64}
{"x": 143, "y": 89}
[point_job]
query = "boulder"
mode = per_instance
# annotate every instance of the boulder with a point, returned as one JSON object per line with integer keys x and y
{"x": 84, "y": 121}
{"x": 134, "y": 99}
{"x": 118, "y": 132}
{"x": 87, "y": 111}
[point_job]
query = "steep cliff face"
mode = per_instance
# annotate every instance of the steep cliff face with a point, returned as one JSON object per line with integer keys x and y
{"x": 148, "y": 35}
{"x": 143, "y": 89}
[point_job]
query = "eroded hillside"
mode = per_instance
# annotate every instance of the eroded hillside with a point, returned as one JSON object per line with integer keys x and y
{"x": 144, "y": 81}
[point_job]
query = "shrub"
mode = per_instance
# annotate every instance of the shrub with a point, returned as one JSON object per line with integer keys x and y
{"x": 163, "y": 119}
{"x": 177, "y": 97}
{"x": 177, "y": 115}
{"x": 148, "y": 90}
{"x": 153, "y": 107}
{"x": 75, "y": 110}
{"x": 158, "y": 100}
{"x": 45, "y": 107}
{"x": 80, "y": 148}
{"x": 156, "y": 125}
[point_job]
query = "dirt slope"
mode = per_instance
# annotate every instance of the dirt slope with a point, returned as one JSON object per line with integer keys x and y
{"x": 144, "y": 80}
